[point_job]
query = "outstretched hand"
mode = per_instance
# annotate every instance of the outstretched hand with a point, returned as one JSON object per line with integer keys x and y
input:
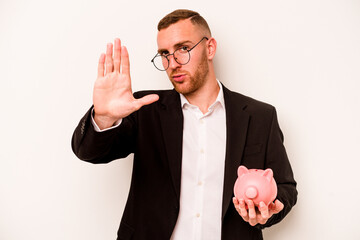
{"x": 253, "y": 216}
{"x": 112, "y": 97}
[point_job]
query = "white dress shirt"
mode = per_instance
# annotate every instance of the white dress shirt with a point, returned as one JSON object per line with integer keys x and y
{"x": 202, "y": 175}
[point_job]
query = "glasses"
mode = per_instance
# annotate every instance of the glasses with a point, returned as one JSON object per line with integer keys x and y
{"x": 181, "y": 56}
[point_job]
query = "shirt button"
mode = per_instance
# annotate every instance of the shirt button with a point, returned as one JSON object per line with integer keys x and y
{"x": 202, "y": 150}
{"x": 200, "y": 183}
{"x": 197, "y": 215}
{"x": 202, "y": 121}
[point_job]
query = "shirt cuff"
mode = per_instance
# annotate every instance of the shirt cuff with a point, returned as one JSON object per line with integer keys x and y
{"x": 96, "y": 127}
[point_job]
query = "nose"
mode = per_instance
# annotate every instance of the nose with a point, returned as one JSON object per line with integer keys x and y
{"x": 172, "y": 63}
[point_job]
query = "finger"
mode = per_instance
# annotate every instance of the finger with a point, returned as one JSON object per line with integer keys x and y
{"x": 117, "y": 53}
{"x": 109, "y": 59}
{"x": 148, "y": 99}
{"x": 125, "y": 62}
{"x": 261, "y": 220}
{"x": 101, "y": 65}
{"x": 264, "y": 210}
{"x": 243, "y": 210}
{"x": 252, "y": 212}
{"x": 236, "y": 204}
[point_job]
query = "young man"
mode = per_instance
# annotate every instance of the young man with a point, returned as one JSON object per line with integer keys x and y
{"x": 187, "y": 142}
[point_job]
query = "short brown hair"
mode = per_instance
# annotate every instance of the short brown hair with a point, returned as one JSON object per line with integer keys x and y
{"x": 182, "y": 14}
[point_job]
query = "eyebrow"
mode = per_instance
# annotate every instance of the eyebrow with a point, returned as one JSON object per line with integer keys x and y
{"x": 176, "y": 46}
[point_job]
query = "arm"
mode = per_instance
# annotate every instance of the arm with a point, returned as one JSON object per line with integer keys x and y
{"x": 276, "y": 159}
{"x": 113, "y": 100}
{"x": 101, "y": 147}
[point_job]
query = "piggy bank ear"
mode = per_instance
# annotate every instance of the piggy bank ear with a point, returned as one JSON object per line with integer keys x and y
{"x": 242, "y": 170}
{"x": 268, "y": 174}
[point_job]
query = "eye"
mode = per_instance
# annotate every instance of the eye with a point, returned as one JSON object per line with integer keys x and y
{"x": 183, "y": 49}
{"x": 164, "y": 53}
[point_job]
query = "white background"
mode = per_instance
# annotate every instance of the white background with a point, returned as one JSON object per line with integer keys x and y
{"x": 301, "y": 56}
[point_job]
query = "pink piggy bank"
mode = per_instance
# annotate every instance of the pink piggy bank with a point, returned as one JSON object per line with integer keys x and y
{"x": 256, "y": 185}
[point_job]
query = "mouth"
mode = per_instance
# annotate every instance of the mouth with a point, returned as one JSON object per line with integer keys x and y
{"x": 178, "y": 77}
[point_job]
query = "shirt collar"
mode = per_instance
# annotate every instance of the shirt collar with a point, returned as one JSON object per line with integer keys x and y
{"x": 219, "y": 99}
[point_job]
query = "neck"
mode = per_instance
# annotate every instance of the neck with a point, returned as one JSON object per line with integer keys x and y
{"x": 205, "y": 96}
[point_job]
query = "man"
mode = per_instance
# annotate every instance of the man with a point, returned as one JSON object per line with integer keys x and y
{"x": 187, "y": 142}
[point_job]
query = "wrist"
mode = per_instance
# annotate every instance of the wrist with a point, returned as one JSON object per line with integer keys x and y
{"x": 103, "y": 121}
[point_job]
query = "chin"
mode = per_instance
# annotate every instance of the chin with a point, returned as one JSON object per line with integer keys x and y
{"x": 182, "y": 88}
{"x": 185, "y": 91}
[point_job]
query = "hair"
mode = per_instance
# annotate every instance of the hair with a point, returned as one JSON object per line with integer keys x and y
{"x": 182, "y": 14}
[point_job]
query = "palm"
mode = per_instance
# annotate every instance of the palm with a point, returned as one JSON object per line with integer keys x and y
{"x": 113, "y": 98}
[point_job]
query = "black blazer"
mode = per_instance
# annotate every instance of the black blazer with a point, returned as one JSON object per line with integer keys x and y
{"x": 154, "y": 134}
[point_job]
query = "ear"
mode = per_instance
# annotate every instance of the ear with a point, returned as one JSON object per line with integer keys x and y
{"x": 242, "y": 170}
{"x": 211, "y": 48}
{"x": 268, "y": 173}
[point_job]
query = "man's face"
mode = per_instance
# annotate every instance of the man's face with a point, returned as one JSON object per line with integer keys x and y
{"x": 188, "y": 78}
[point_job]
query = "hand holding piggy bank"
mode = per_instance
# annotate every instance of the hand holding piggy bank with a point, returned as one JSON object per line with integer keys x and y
{"x": 256, "y": 185}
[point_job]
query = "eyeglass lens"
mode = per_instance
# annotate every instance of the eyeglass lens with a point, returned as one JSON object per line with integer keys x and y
{"x": 181, "y": 56}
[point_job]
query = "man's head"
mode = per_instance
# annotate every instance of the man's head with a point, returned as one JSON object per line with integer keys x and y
{"x": 187, "y": 30}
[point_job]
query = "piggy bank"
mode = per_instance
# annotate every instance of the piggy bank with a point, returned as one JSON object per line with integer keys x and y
{"x": 256, "y": 185}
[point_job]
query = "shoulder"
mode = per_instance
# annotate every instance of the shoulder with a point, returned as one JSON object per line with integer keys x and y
{"x": 248, "y": 104}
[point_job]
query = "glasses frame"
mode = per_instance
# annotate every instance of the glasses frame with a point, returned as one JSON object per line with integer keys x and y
{"x": 167, "y": 56}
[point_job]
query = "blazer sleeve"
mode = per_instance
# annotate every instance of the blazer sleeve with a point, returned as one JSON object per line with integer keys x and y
{"x": 103, "y": 147}
{"x": 277, "y": 160}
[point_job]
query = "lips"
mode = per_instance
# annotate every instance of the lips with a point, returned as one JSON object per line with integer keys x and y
{"x": 178, "y": 77}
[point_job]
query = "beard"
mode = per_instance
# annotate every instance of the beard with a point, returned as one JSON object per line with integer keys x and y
{"x": 195, "y": 81}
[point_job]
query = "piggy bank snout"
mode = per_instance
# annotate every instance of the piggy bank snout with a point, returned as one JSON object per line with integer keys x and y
{"x": 251, "y": 192}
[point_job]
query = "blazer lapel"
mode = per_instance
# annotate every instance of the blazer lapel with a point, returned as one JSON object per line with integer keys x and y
{"x": 171, "y": 120}
{"x": 236, "y": 129}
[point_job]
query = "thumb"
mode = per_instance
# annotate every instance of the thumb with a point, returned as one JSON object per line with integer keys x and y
{"x": 277, "y": 207}
{"x": 146, "y": 100}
